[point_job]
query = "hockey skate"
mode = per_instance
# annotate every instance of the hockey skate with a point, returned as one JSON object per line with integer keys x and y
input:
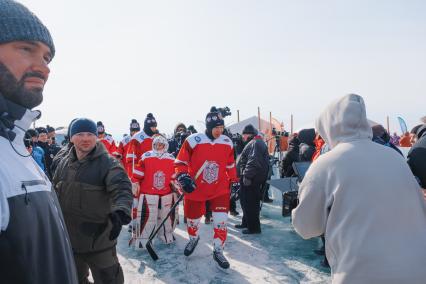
{"x": 220, "y": 259}
{"x": 190, "y": 246}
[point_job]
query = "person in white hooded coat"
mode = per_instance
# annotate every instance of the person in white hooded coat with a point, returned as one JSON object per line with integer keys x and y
{"x": 365, "y": 200}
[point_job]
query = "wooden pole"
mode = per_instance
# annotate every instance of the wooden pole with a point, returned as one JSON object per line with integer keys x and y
{"x": 238, "y": 115}
{"x": 387, "y": 123}
{"x": 291, "y": 124}
{"x": 258, "y": 117}
{"x": 270, "y": 120}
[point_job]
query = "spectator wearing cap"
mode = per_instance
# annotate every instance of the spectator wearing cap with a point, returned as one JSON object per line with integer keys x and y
{"x": 51, "y": 132}
{"x": 34, "y": 245}
{"x": 89, "y": 174}
{"x": 106, "y": 139}
{"x": 63, "y": 151}
{"x": 253, "y": 165}
{"x": 50, "y": 150}
{"x": 36, "y": 151}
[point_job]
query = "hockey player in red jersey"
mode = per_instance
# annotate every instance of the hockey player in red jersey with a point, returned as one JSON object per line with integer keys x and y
{"x": 155, "y": 197}
{"x": 124, "y": 144}
{"x": 106, "y": 139}
{"x": 206, "y": 163}
{"x": 141, "y": 142}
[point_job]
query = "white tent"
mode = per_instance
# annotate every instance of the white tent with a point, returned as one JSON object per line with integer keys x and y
{"x": 254, "y": 120}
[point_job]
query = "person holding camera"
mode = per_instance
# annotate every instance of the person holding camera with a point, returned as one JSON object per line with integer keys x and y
{"x": 179, "y": 136}
{"x": 253, "y": 165}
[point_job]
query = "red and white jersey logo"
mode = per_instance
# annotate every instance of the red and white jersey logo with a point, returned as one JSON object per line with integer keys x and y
{"x": 159, "y": 180}
{"x": 211, "y": 172}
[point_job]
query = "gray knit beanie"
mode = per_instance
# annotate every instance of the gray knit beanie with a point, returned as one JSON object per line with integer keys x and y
{"x": 17, "y": 23}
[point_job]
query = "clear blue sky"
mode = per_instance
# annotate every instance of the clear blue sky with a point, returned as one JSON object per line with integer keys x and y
{"x": 118, "y": 60}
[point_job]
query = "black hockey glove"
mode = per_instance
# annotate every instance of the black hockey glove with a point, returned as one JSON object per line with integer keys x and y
{"x": 235, "y": 191}
{"x": 118, "y": 219}
{"x": 186, "y": 182}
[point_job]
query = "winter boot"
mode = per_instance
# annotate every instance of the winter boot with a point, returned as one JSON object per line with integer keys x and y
{"x": 190, "y": 246}
{"x": 220, "y": 258}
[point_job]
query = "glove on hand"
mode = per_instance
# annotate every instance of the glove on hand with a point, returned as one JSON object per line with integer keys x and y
{"x": 235, "y": 190}
{"x": 186, "y": 182}
{"x": 118, "y": 219}
{"x": 246, "y": 181}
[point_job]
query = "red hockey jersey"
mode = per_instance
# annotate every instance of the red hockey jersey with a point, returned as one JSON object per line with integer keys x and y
{"x": 109, "y": 144}
{"x": 138, "y": 145}
{"x": 122, "y": 151}
{"x": 210, "y": 163}
{"x": 154, "y": 172}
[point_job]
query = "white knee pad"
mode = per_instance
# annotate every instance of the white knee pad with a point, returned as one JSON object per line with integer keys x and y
{"x": 220, "y": 229}
{"x": 166, "y": 231}
{"x": 146, "y": 220}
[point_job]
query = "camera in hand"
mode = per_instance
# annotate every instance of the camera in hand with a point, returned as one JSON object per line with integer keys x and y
{"x": 224, "y": 111}
{"x": 279, "y": 133}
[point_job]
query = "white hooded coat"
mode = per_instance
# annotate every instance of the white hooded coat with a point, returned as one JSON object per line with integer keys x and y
{"x": 364, "y": 198}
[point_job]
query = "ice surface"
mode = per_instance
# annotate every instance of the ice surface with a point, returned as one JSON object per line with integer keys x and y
{"x": 278, "y": 255}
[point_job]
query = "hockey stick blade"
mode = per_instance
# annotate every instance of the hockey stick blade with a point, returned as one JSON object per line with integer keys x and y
{"x": 151, "y": 251}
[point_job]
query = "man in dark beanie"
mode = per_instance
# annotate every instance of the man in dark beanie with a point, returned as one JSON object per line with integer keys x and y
{"x": 124, "y": 143}
{"x": 205, "y": 168}
{"x": 253, "y": 166}
{"x": 89, "y": 174}
{"x": 141, "y": 142}
{"x": 106, "y": 139}
{"x": 50, "y": 150}
{"x": 34, "y": 244}
{"x": 150, "y": 125}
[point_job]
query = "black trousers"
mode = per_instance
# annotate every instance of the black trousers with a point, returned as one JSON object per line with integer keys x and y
{"x": 250, "y": 203}
{"x": 104, "y": 266}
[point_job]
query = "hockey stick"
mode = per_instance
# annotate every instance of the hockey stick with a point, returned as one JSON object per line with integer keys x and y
{"x": 148, "y": 245}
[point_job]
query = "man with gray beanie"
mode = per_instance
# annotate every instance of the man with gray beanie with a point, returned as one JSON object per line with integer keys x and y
{"x": 96, "y": 197}
{"x": 34, "y": 244}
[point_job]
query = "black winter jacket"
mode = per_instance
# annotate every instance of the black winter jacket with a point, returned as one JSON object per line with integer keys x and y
{"x": 253, "y": 162}
{"x": 416, "y": 158}
{"x": 307, "y": 145}
{"x": 291, "y": 156}
{"x": 88, "y": 190}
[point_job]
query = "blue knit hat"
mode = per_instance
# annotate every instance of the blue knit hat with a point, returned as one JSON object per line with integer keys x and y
{"x": 17, "y": 23}
{"x": 83, "y": 125}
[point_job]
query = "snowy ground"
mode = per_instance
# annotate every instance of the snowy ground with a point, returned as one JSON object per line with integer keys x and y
{"x": 278, "y": 255}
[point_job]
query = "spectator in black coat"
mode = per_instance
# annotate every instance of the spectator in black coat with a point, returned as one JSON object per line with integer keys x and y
{"x": 416, "y": 158}
{"x": 253, "y": 165}
{"x": 307, "y": 145}
{"x": 291, "y": 156}
{"x": 381, "y": 136}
